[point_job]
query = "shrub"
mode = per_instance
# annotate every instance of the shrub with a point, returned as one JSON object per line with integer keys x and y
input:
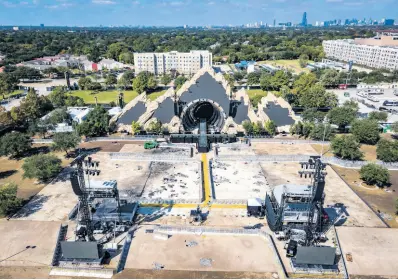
{"x": 373, "y": 174}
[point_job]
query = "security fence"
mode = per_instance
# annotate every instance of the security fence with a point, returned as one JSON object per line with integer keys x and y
{"x": 152, "y": 157}
{"x": 303, "y": 158}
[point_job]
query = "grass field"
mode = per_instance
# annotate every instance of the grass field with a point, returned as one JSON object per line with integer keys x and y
{"x": 153, "y": 95}
{"x": 369, "y": 151}
{"x": 255, "y": 92}
{"x": 15, "y": 92}
{"x": 104, "y": 96}
{"x": 292, "y": 65}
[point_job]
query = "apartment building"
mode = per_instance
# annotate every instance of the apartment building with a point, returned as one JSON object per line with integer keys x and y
{"x": 379, "y": 52}
{"x": 164, "y": 63}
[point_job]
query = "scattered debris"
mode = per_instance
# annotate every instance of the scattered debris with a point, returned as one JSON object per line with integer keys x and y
{"x": 190, "y": 243}
{"x": 206, "y": 262}
{"x": 157, "y": 266}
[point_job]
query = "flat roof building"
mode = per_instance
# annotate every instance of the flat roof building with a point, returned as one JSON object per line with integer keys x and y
{"x": 380, "y": 52}
{"x": 164, "y": 63}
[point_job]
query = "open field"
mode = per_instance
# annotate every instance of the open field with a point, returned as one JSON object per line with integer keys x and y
{"x": 104, "y": 96}
{"x": 374, "y": 251}
{"x": 378, "y": 199}
{"x": 357, "y": 213}
{"x": 283, "y": 149}
{"x": 292, "y": 65}
{"x": 11, "y": 171}
{"x": 248, "y": 253}
{"x": 153, "y": 95}
{"x": 17, "y": 235}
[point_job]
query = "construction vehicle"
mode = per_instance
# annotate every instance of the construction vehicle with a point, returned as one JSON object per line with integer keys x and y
{"x": 151, "y": 145}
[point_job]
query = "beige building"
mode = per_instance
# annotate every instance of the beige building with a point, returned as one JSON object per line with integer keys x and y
{"x": 183, "y": 63}
{"x": 380, "y": 52}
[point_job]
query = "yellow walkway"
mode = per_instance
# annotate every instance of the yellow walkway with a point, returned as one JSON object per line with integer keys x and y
{"x": 207, "y": 194}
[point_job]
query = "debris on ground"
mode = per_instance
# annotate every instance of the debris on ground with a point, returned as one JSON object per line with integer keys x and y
{"x": 157, "y": 266}
{"x": 206, "y": 262}
{"x": 190, "y": 243}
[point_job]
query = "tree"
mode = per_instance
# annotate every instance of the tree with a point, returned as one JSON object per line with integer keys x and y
{"x": 258, "y": 128}
{"x": 230, "y": 80}
{"x": 42, "y": 167}
{"x": 303, "y": 60}
{"x": 34, "y": 106}
{"x": 321, "y": 132}
{"x": 394, "y": 127}
{"x": 7, "y": 83}
{"x": 135, "y": 127}
{"x": 126, "y": 57}
{"x": 115, "y": 50}
{"x": 330, "y": 78}
{"x": 317, "y": 97}
{"x": 110, "y": 80}
{"x": 5, "y": 117}
{"x": 279, "y": 79}
{"x": 374, "y": 174}
{"x": 165, "y": 79}
{"x": 304, "y": 83}
{"x": 58, "y": 97}
{"x": 313, "y": 115}
{"x": 126, "y": 80}
{"x": 155, "y": 127}
{"x": 14, "y": 144}
{"x": 342, "y": 116}
{"x": 84, "y": 83}
{"x": 378, "y": 116}
{"x": 253, "y": 78}
{"x": 297, "y": 129}
{"x": 366, "y": 131}
{"x": 248, "y": 127}
{"x": 96, "y": 123}
{"x": 346, "y": 147}
{"x": 94, "y": 54}
{"x": 179, "y": 82}
{"x": 40, "y": 127}
{"x": 387, "y": 150}
{"x": 307, "y": 128}
{"x": 265, "y": 82}
{"x": 270, "y": 127}
{"x": 9, "y": 202}
{"x": 73, "y": 101}
{"x": 65, "y": 141}
{"x": 143, "y": 82}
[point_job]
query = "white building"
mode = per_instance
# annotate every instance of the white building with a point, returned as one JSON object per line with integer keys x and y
{"x": 379, "y": 52}
{"x": 110, "y": 64}
{"x": 183, "y": 63}
{"x": 79, "y": 114}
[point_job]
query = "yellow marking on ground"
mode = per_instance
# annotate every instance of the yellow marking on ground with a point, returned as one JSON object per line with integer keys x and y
{"x": 207, "y": 194}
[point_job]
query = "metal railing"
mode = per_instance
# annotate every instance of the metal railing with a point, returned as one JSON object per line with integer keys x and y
{"x": 302, "y": 158}
{"x": 152, "y": 157}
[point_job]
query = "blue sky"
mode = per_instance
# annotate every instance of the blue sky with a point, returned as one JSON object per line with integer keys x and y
{"x": 191, "y": 12}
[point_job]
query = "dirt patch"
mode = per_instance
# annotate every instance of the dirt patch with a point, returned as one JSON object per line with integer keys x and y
{"x": 180, "y": 274}
{"x": 107, "y": 146}
{"x": 283, "y": 149}
{"x": 380, "y": 200}
{"x": 11, "y": 172}
{"x": 24, "y": 272}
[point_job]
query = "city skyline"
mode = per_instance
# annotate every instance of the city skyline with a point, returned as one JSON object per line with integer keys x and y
{"x": 185, "y": 12}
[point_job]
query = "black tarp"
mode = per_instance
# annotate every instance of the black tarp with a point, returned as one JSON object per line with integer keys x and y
{"x": 278, "y": 114}
{"x": 133, "y": 114}
{"x": 316, "y": 255}
{"x": 79, "y": 250}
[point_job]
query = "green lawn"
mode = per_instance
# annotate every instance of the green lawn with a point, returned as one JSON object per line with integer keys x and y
{"x": 15, "y": 92}
{"x": 104, "y": 96}
{"x": 254, "y": 92}
{"x": 292, "y": 65}
{"x": 153, "y": 95}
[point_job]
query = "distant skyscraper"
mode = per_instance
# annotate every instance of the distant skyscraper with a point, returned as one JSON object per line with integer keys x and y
{"x": 304, "y": 21}
{"x": 274, "y": 22}
{"x": 42, "y": 25}
{"x": 389, "y": 22}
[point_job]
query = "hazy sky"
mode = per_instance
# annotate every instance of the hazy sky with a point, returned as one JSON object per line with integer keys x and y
{"x": 191, "y": 12}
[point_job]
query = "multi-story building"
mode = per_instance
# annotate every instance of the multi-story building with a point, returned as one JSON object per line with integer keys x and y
{"x": 165, "y": 63}
{"x": 380, "y": 52}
